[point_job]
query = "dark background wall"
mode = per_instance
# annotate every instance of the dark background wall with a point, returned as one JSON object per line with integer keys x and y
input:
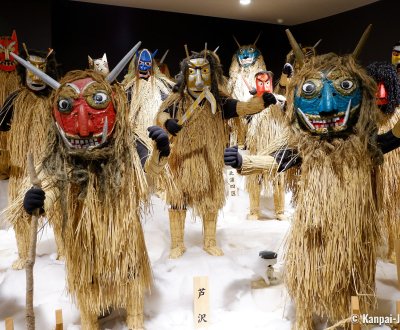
{"x": 340, "y": 33}
{"x": 77, "y": 29}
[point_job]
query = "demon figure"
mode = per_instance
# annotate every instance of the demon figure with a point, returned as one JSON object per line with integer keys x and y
{"x": 263, "y": 128}
{"x": 9, "y": 83}
{"x": 335, "y": 233}
{"x": 146, "y": 87}
{"x": 26, "y": 116}
{"x": 388, "y": 175}
{"x": 197, "y": 111}
{"x": 99, "y": 64}
{"x": 246, "y": 62}
{"x": 396, "y": 57}
{"x": 92, "y": 172}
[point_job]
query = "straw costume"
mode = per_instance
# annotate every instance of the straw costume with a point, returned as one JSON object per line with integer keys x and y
{"x": 146, "y": 87}
{"x": 197, "y": 111}
{"x": 388, "y": 175}
{"x": 9, "y": 83}
{"x": 26, "y": 116}
{"x": 263, "y": 128}
{"x": 93, "y": 172}
{"x": 246, "y": 62}
{"x": 332, "y": 245}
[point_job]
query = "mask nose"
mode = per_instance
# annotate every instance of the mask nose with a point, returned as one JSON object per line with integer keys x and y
{"x": 7, "y": 54}
{"x": 199, "y": 80}
{"x": 84, "y": 125}
{"x": 328, "y": 104}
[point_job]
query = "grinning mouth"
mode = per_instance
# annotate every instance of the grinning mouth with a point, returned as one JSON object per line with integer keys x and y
{"x": 144, "y": 74}
{"x": 246, "y": 61}
{"x": 323, "y": 124}
{"x": 77, "y": 142}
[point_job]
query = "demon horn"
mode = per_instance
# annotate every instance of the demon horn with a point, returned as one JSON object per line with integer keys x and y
{"x": 258, "y": 37}
{"x": 120, "y": 66}
{"x": 43, "y": 76}
{"x": 164, "y": 56}
{"x": 317, "y": 43}
{"x": 205, "y": 51}
{"x": 362, "y": 41}
{"x": 296, "y": 48}
{"x": 237, "y": 42}
{"x": 215, "y": 50}
{"x": 187, "y": 52}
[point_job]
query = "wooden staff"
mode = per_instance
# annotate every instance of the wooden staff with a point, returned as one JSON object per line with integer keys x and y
{"x": 30, "y": 315}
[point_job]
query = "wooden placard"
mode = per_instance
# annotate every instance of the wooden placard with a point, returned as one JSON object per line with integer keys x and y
{"x": 231, "y": 177}
{"x": 397, "y": 251}
{"x": 201, "y": 302}
{"x": 9, "y": 323}
{"x": 59, "y": 320}
{"x": 355, "y": 310}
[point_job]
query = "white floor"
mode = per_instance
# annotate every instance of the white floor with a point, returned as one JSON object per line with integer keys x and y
{"x": 234, "y": 305}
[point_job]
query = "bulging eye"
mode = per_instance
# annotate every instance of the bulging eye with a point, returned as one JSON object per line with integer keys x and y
{"x": 64, "y": 105}
{"x": 205, "y": 70}
{"x": 148, "y": 63}
{"x": 309, "y": 88}
{"x": 251, "y": 49}
{"x": 241, "y": 50}
{"x": 98, "y": 100}
{"x": 191, "y": 71}
{"x": 346, "y": 84}
{"x": 100, "y": 97}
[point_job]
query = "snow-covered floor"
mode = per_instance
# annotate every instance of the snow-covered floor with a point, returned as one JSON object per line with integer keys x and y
{"x": 234, "y": 304}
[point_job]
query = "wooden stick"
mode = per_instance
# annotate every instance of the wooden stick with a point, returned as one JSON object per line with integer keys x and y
{"x": 397, "y": 251}
{"x": 59, "y": 320}
{"x": 355, "y": 310}
{"x": 30, "y": 314}
{"x": 9, "y": 323}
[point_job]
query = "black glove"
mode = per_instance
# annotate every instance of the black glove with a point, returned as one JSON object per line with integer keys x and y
{"x": 286, "y": 158}
{"x": 268, "y": 99}
{"x": 34, "y": 199}
{"x": 172, "y": 126}
{"x": 232, "y": 157}
{"x": 157, "y": 134}
{"x": 288, "y": 69}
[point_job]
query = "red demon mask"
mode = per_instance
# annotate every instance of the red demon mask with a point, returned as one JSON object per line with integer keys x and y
{"x": 263, "y": 83}
{"x": 84, "y": 113}
{"x": 381, "y": 95}
{"x": 7, "y": 45}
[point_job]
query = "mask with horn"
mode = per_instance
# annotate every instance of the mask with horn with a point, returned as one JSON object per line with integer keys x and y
{"x": 247, "y": 55}
{"x": 327, "y": 98}
{"x": 42, "y": 60}
{"x": 83, "y": 104}
{"x": 99, "y": 64}
{"x": 8, "y": 45}
{"x": 308, "y": 51}
{"x": 144, "y": 63}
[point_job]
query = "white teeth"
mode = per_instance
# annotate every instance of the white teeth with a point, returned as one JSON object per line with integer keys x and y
{"x": 105, "y": 130}
{"x": 346, "y": 117}
{"x": 311, "y": 126}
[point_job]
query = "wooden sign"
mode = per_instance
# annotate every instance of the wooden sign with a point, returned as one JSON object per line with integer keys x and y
{"x": 355, "y": 310}
{"x": 9, "y": 323}
{"x": 201, "y": 304}
{"x": 59, "y": 320}
{"x": 233, "y": 188}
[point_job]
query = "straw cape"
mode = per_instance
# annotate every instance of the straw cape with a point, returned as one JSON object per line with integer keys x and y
{"x": 96, "y": 197}
{"x": 9, "y": 83}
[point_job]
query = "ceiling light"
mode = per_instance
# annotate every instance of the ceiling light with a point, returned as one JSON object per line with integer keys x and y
{"x": 245, "y": 2}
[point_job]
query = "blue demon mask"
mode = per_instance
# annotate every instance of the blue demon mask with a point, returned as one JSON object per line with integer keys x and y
{"x": 247, "y": 55}
{"x": 145, "y": 63}
{"x": 328, "y": 102}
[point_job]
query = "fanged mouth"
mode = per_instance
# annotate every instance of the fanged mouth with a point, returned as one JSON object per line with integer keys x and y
{"x": 74, "y": 142}
{"x": 144, "y": 74}
{"x": 323, "y": 124}
{"x": 246, "y": 61}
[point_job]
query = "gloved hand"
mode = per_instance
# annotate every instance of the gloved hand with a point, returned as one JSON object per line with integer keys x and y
{"x": 34, "y": 199}
{"x": 172, "y": 126}
{"x": 160, "y": 137}
{"x": 288, "y": 70}
{"x": 232, "y": 157}
{"x": 286, "y": 158}
{"x": 268, "y": 99}
{"x": 253, "y": 91}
